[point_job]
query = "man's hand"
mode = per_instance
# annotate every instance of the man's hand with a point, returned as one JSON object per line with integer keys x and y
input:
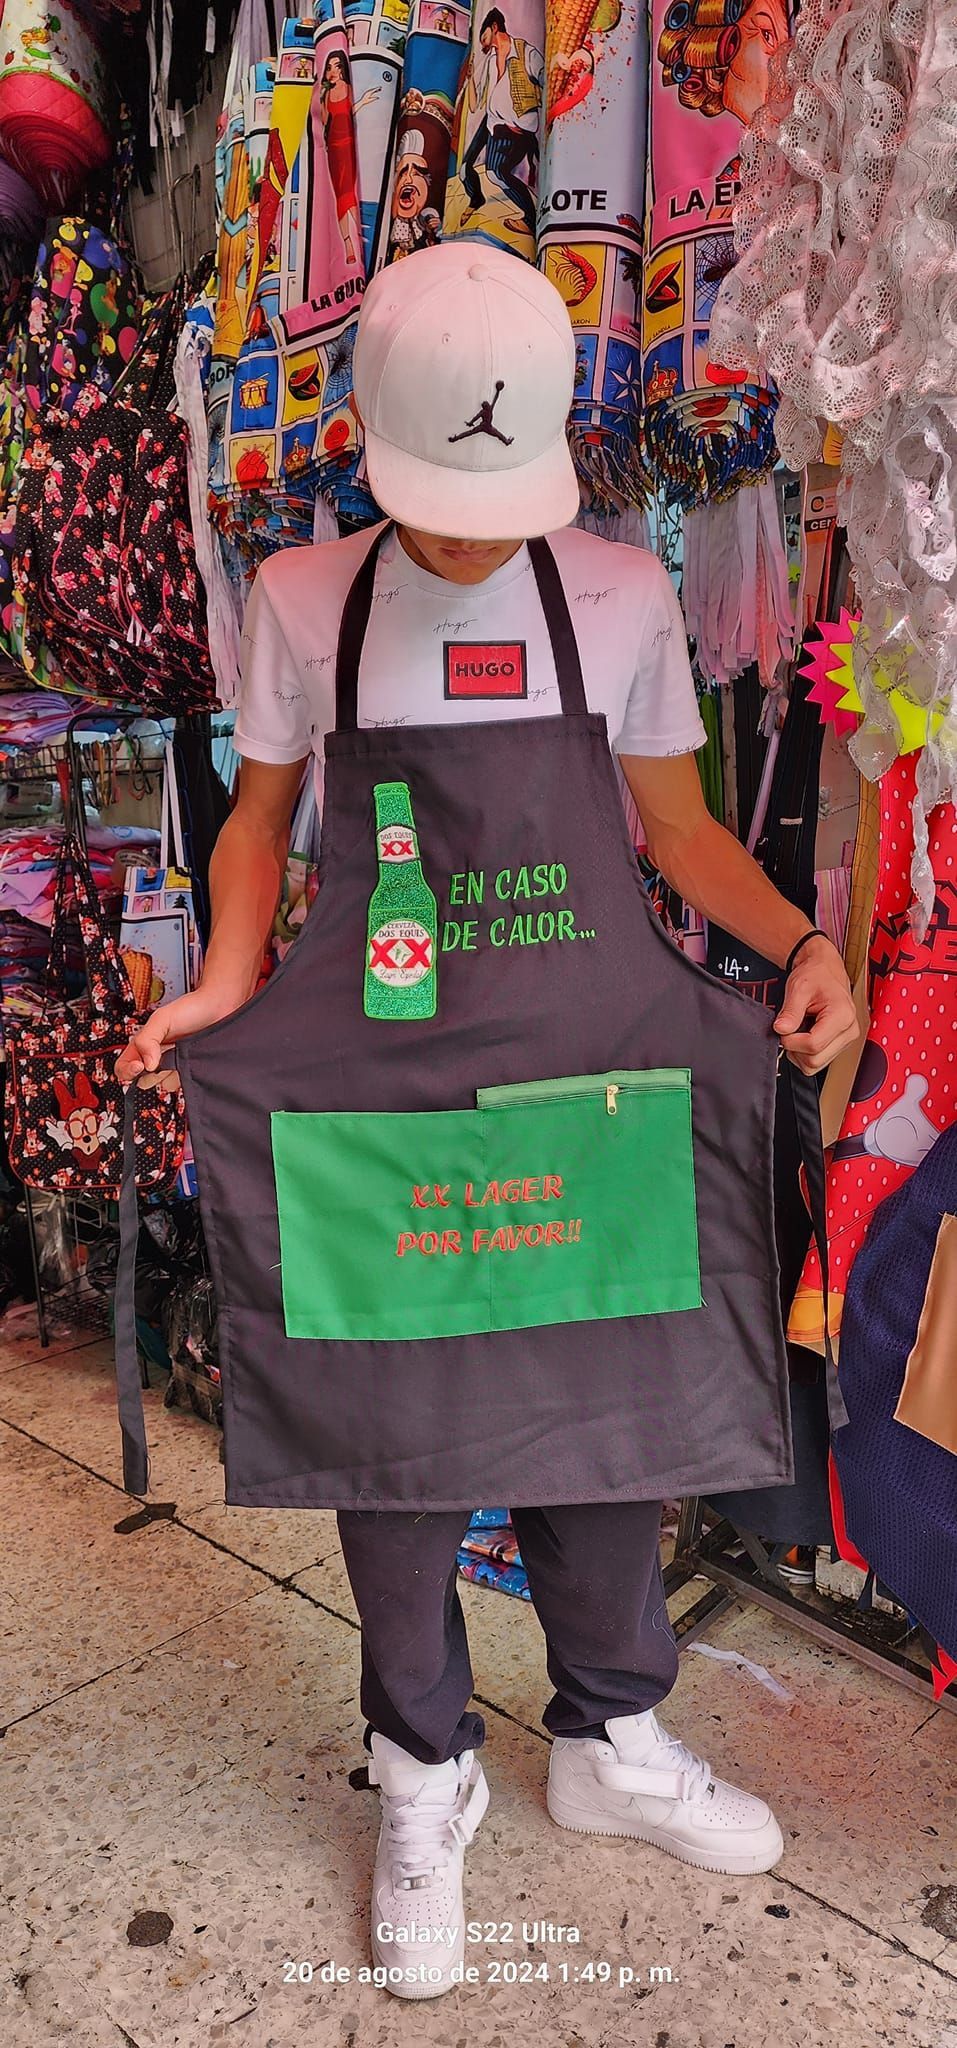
{"x": 245, "y": 875}
{"x": 168, "y": 1025}
{"x": 712, "y": 870}
{"x": 817, "y": 1018}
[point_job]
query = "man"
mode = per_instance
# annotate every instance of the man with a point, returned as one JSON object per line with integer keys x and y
{"x": 510, "y": 95}
{"x": 471, "y": 661}
{"x": 415, "y": 224}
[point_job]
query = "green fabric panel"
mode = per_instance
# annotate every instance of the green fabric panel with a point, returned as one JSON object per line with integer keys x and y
{"x": 595, "y": 1213}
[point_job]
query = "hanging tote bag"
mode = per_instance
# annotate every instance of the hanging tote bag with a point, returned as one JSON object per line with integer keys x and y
{"x": 81, "y": 329}
{"x": 55, "y": 111}
{"x": 104, "y": 548}
{"x": 160, "y": 943}
{"x": 84, "y": 318}
{"x": 64, "y": 1107}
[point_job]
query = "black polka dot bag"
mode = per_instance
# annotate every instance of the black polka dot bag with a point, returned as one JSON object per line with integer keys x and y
{"x": 64, "y": 1109}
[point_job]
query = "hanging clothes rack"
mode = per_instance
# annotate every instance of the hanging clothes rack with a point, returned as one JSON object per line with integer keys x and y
{"x": 739, "y": 1567}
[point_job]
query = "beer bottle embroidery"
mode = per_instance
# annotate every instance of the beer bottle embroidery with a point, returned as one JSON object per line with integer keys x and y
{"x": 400, "y": 972}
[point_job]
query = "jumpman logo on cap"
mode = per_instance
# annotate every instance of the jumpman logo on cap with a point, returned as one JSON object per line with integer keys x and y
{"x": 482, "y": 423}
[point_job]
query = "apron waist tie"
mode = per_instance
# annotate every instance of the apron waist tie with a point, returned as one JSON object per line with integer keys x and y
{"x": 129, "y": 1388}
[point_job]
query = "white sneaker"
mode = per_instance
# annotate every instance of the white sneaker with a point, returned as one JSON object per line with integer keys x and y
{"x": 429, "y": 1815}
{"x": 642, "y": 1782}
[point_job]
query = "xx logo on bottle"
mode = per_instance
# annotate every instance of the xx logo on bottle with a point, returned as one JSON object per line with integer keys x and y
{"x": 401, "y": 953}
{"x": 398, "y": 842}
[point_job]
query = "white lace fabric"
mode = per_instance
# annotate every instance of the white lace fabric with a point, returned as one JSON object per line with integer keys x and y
{"x": 846, "y": 293}
{"x": 734, "y": 591}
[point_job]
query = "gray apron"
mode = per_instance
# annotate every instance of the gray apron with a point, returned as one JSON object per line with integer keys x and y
{"x": 507, "y": 1386}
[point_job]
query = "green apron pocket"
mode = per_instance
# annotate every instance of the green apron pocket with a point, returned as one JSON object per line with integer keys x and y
{"x": 550, "y": 1202}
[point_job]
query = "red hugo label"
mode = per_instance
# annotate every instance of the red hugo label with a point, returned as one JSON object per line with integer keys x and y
{"x": 480, "y": 669}
{"x": 400, "y": 969}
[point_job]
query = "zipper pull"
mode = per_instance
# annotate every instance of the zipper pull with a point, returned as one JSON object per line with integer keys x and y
{"x": 611, "y": 1098}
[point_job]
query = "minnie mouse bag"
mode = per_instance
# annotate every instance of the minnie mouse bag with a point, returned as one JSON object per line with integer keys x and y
{"x": 65, "y": 1110}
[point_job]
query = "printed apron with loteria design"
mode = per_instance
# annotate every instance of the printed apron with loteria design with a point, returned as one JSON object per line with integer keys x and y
{"x": 485, "y": 1168}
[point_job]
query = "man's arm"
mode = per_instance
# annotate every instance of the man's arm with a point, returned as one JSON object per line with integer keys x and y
{"x": 713, "y": 871}
{"x": 245, "y": 877}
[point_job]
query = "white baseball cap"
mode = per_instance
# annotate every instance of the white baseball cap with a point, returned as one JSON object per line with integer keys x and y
{"x": 464, "y": 376}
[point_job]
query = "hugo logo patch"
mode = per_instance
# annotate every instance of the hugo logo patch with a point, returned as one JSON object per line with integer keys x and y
{"x": 479, "y": 668}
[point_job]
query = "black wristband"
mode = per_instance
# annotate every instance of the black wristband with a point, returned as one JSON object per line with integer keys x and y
{"x": 803, "y": 941}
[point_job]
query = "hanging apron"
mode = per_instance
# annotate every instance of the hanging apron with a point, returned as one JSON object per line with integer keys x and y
{"x": 486, "y": 1167}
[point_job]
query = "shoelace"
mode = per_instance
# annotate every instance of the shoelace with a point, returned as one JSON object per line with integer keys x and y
{"x": 421, "y": 1836}
{"x": 677, "y": 1757}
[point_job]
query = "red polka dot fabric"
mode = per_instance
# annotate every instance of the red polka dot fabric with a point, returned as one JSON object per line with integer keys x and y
{"x": 906, "y": 1090}
{"x": 905, "y": 1093}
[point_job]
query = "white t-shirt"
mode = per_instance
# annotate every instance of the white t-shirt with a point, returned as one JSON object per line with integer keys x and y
{"x": 437, "y": 652}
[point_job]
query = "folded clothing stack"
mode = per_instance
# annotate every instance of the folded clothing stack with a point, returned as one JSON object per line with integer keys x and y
{"x": 35, "y": 718}
{"x": 29, "y": 856}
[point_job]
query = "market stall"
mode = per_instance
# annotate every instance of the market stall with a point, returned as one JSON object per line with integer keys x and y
{"x": 750, "y": 221}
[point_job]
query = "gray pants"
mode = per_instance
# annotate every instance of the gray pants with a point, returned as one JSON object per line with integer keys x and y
{"x": 595, "y": 1578}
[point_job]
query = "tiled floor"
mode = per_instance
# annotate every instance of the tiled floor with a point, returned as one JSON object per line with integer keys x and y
{"x": 181, "y": 1721}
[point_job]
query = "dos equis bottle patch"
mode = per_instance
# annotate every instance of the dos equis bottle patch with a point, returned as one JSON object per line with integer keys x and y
{"x": 400, "y": 972}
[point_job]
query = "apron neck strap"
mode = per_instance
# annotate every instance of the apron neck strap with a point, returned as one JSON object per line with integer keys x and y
{"x": 561, "y": 632}
{"x": 358, "y": 607}
{"x": 352, "y": 633}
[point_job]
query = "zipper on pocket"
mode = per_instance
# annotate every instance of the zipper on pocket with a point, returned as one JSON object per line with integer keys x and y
{"x": 572, "y": 1087}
